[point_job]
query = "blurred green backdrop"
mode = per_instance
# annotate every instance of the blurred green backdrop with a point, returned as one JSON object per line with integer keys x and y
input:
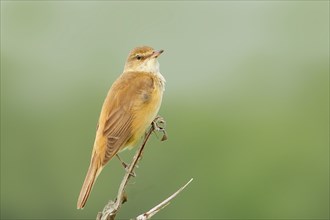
{"x": 246, "y": 105}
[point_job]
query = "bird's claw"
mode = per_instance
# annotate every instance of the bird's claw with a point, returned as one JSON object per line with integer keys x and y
{"x": 159, "y": 124}
{"x": 132, "y": 173}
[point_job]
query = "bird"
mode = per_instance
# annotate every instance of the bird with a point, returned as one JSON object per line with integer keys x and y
{"x": 131, "y": 104}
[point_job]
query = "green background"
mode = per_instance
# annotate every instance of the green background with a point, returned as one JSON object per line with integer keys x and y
{"x": 246, "y": 105}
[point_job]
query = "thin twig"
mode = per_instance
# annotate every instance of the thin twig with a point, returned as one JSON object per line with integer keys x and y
{"x": 111, "y": 209}
{"x": 163, "y": 204}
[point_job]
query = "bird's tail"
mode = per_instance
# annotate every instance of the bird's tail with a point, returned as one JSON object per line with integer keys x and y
{"x": 92, "y": 173}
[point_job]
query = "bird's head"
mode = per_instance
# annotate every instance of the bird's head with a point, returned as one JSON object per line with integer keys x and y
{"x": 143, "y": 59}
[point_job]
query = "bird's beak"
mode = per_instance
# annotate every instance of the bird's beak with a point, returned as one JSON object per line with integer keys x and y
{"x": 156, "y": 53}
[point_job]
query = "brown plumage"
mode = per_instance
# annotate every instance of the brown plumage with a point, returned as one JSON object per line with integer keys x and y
{"x": 131, "y": 105}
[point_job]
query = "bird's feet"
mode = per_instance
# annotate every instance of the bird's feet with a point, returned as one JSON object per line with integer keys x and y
{"x": 159, "y": 124}
{"x": 126, "y": 166}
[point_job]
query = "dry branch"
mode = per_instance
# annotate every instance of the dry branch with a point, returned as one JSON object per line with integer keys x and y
{"x": 163, "y": 204}
{"x": 111, "y": 209}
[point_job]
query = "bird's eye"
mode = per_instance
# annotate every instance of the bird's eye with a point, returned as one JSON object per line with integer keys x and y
{"x": 138, "y": 57}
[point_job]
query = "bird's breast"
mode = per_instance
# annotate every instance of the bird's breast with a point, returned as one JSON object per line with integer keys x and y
{"x": 147, "y": 109}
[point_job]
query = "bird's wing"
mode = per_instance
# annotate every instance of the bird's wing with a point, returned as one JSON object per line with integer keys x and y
{"x": 117, "y": 131}
{"x": 126, "y": 95}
